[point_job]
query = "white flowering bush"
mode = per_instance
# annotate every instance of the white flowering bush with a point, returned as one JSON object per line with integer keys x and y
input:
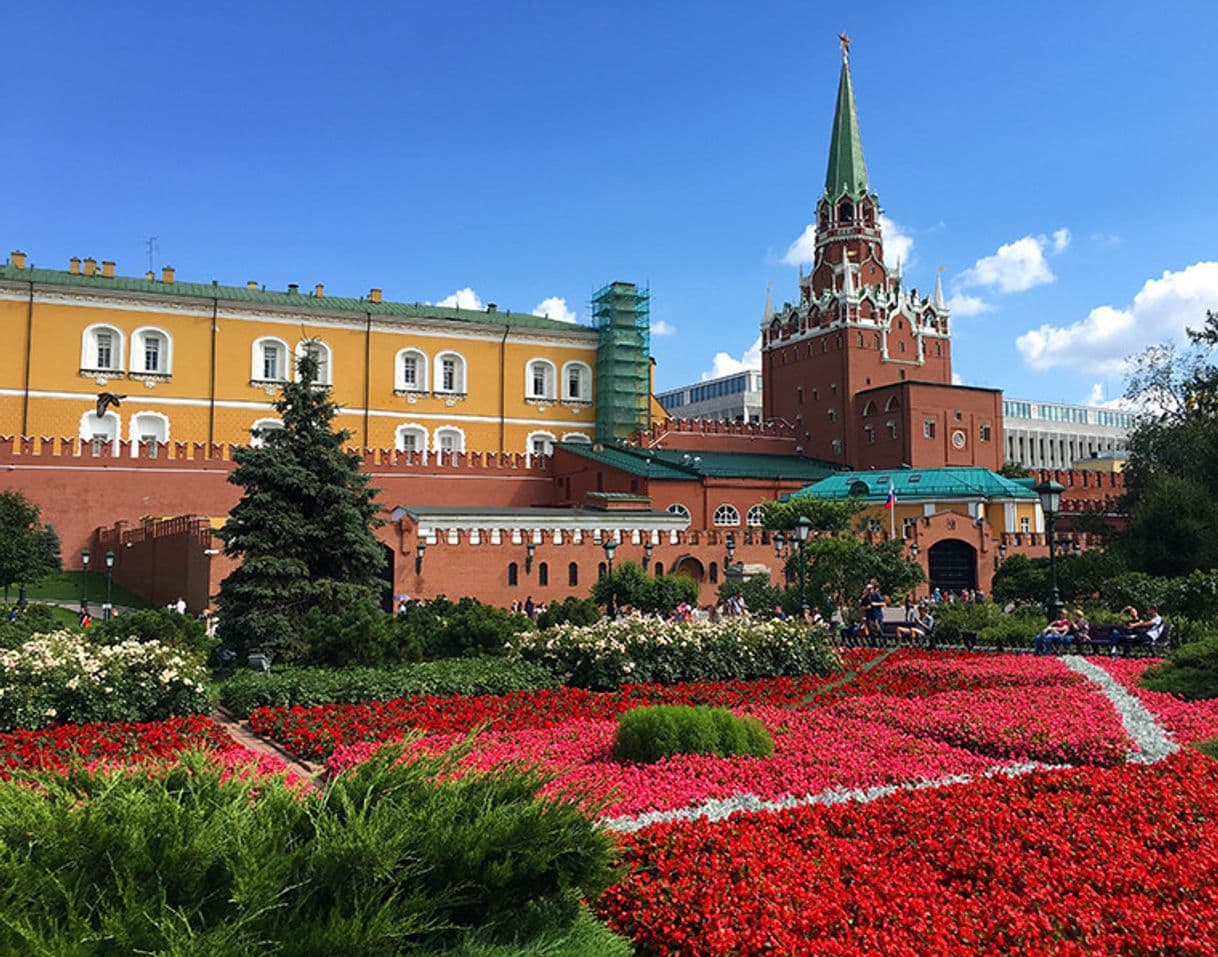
{"x": 608, "y": 654}
{"x": 62, "y": 678}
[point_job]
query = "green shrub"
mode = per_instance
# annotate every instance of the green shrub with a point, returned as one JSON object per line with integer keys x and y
{"x": 465, "y": 629}
{"x": 609, "y": 654}
{"x": 62, "y": 678}
{"x": 32, "y": 620}
{"x": 1191, "y": 671}
{"x": 360, "y": 634}
{"x": 247, "y": 690}
{"x": 632, "y": 586}
{"x": 156, "y": 624}
{"x": 383, "y": 860}
{"x": 571, "y": 610}
{"x": 1016, "y": 630}
{"x": 649, "y": 734}
{"x": 955, "y": 619}
{"x": 1134, "y": 588}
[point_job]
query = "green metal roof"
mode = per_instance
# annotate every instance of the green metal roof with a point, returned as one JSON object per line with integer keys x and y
{"x": 296, "y": 302}
{"x": 914, "y": 484}
{"x": 847, "y": 172}
{"x": 693, "y": 464}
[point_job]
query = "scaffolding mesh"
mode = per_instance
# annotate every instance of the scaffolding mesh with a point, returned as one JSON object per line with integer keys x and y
{"x": 621, "y": 313}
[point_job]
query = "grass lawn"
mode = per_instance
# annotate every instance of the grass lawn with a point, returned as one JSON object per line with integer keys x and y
{"x": 65, "y": 586}
{"x": 1208, "y": 747}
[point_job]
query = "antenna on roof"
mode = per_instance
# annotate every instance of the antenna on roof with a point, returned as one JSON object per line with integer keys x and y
{"x": 151, "y": 246}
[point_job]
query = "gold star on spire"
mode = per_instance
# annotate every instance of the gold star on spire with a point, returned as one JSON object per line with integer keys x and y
{"x": 844, "y": 40}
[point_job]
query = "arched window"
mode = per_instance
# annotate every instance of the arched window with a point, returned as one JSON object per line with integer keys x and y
{"x": 579, "y": 438}
{"x": 410, "y": 371}
{"x": 714, "y": 572}
{"x": 269, "y": 361}
{"x": 103, "y": 430}
{"x": 679, "y": 509}
{"x": 845, "y": 213}
{"x": 151, "y": 351}
{"x": 260, "y": 429}
{"x": 892, "y": 404}
{"x": 101, "y": 349}
{"x": 539, "y": 379}
{"x": 513, "y": 574}
{"x": 659, "y": 567}
{"x": 727, "y": 516}
{"x": 450, "y": 373}
{"x": 869, "y": 408}
{"x": 320, "y": 353}
{"x": 755, "y": 517}
{"x": 543, "y": 574}
{"x": 573, "y": 574}
{"x": 410, "y": 438}
{"x": 450, "y": 439}
{"x": 540, "y": 443}
{"x": 577, "y": 382}
{"x": 148, "y": 430}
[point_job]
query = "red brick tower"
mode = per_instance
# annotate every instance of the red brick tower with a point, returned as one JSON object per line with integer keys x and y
{"x": 856, "y": 328}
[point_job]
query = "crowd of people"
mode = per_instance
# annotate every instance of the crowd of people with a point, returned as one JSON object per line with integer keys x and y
{"x": 1065, "y": 631}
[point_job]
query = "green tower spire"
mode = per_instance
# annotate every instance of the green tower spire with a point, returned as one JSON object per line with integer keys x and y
{"x": 847, "y": 172}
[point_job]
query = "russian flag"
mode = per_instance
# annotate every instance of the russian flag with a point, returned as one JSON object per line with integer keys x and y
{"x": 892, "y": 496}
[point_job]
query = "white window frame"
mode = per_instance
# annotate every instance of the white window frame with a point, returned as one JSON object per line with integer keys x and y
{"x": 549, "y": 380}
{"x": 755, "y": 516}
{"x": 418, "y": 431}
{"x": 533, "y": 436}
{"x": 585, "y": 370}
{"x": 726, "y": 516}
{"x": 678, "y": 509}
{"x": 580, "y": 438}
{"x": 325, "y": 366}
{"x": 460, "y": 377}
{"x": 421, "y": 367}
{"x": 135, "y": 427}
{"x": 257, "y": 441}
{"x": 137, "y": 361}
{"x": 256, "y": 359}
{"x": 88, "y": 348}
{"x": 445, "y": 430}
{"x": 111, "y": 418}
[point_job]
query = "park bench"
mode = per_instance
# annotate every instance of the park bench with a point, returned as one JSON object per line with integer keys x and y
{"x": 1104, "y": 638}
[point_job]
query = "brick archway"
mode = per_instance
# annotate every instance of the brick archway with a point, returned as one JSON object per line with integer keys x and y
{"x": 953, "y": 565}
{"x": 690, "y": 567}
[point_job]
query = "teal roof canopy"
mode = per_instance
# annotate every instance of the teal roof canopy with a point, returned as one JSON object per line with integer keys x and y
{"x": 919, "y": 484}
{"x": 692, "y": 464}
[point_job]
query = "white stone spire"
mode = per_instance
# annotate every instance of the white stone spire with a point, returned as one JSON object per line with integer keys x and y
{"x": 940, "y": 303}
{"x": 769, "y": 301}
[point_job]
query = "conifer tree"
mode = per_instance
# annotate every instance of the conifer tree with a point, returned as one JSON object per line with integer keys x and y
{"x": 303, "y": 527}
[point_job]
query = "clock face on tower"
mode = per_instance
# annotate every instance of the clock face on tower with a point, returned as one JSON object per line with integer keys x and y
{"x": 958, "y": 439}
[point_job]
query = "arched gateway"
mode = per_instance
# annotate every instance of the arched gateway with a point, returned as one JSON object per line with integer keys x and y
{"x": 953, "y": 565}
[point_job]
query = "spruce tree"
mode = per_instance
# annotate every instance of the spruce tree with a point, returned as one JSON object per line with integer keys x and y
{"x": 303, "y": 527}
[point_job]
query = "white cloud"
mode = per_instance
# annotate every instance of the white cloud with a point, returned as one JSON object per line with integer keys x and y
{"x": 462, "y": 299}
{"x": 957, "y": 379}
{"x": 800, "y": 252}
{"x": 1016, "y": 266}
{"x": 724, "y": 364}
{"x": 554, "y": 308}
{"x": 663, "y": 328}
{"x": 1099, "y": 344}
{"x": 898, "y": 244}
{"x": 962, "y": 304}
{"x": 1106, "y": 239}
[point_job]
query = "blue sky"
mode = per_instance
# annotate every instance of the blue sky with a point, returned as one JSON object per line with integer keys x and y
{"x": 1056, "y": 159}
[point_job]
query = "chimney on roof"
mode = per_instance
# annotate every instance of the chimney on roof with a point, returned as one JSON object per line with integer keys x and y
{"x": 491, "y": 307}
{"x": 167, "y": 274}
{"x": 293, "y": 288}
{"x": 107, "y": 269}
{"x": 90, "y": 266}
{"x": 250, "y": 284}
{"x": 319, "y": 290}
{"x": 374, "y": 295}
{"x": 18, "y": 259}
{"x": 74, "y": 266}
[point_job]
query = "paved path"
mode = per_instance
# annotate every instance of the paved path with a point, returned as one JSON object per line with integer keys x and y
{"x": 245, "y": 737}
{"x": 1154, "y": 743}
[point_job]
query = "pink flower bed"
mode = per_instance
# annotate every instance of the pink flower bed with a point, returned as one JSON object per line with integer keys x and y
{"x": 1188, "y": 721}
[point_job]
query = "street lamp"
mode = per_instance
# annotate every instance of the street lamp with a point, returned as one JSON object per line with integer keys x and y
{"x": 108, "y": 607}
{"x": 803, "y": 527}
{"x": 779, "y": 541}
{"x": 648, "y": 551}
{"x": 1050, "y": 493}
{"x": 529, "y": 551}
{"x": 913, "y": 551}
{"x": 610, "y": 547}
{"x": 84, "y": 578}
{"x": 731, "y": 550}
{"x": 1002, "y": 555}
{"x": 419, "y": 550}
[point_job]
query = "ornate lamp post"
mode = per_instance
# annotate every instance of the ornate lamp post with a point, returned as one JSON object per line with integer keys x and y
{"x": 648, "y": 551}
{"x": 1050, "y": 493}
{"x": 108, "y": 607}
{"x": 610, "y": 547}
{"x": 731, "y": 551}
{"x": 419, "y": 551}
{"x": 84, "y": 578}
{"x": 530, "y": 551}
{"x": 803, "y": 527}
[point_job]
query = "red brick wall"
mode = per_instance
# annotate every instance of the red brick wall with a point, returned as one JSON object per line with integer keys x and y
{"x": 954, "y": 409}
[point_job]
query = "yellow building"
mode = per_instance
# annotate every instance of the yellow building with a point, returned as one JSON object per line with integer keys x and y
{"x": 201, "y": 362}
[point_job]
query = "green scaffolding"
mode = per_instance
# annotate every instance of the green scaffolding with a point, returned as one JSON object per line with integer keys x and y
{"x": 621, "y": 313}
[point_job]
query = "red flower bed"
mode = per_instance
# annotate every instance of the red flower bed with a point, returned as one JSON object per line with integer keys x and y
{"x": 1188, "y": 721}
{"x": 57, "y": 748}
{"x": 1085, "y": 861}
{"x": 315, "y": 732}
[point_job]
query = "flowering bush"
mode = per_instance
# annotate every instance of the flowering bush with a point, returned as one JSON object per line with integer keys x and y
{"x": 63, "y": 677}
{"x": 609, "y": 654}
{"x": 1000, "y": 866}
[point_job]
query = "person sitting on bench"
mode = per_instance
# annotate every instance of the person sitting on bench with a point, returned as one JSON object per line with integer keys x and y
{"x": 1151, "y": 629}
{"x": 917, "y": 630}
{"x": 1053, "y": 635}
{"x": 1080, "y": 628}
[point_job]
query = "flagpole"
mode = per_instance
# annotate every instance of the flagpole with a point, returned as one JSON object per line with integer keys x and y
{"x": 892, "y": 512}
